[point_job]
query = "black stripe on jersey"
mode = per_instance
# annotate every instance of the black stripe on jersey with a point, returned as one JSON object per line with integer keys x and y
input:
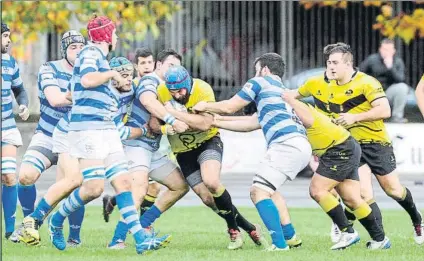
{"x": 347, "y": 105}
{"x": 321, "y": 105}
{"x": 363, "y": 126}
{"x": 378, "y": 98}
{"x": 329, "y": 146}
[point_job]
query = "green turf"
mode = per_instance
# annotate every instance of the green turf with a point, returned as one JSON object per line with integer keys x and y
{"x": 198, "y": 234}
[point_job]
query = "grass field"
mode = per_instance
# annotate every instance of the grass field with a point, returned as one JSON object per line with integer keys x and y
{"x": 198, "y": 234}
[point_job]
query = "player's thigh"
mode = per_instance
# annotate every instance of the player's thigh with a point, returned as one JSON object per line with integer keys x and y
{"x": 210, "y": 160}
{"x": 139, "y": 162}
{"x": 167, "y": 173}
{"x": 190, "y": 168}
{"x": 282, "y": 162}
{"x": 321, "y": 185}
{"x": 365, "y": 179}
{"x": 8, "y": 164}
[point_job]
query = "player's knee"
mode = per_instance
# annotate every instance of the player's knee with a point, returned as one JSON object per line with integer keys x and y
{"x": 8, "y": 179}
{"x": 316, "y": 193}
{"x": 208, "y": 200}
{"x": 394, "y": 190}
{"x": 94, "y": 188}
{"x": 28, "y": 177}
{"x": 213, "y": 185}
{"x": 74, "y": 182}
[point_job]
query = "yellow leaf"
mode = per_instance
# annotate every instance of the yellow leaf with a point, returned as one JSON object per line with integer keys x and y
{"x": 407, "y": 34}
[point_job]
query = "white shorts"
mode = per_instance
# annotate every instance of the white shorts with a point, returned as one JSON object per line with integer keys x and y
{"x": 43, "y": 144}
{"x": 283, "y": 160}
{"x": 11, "y": 137}
{"x": 60, "y": 141}
{"x": 156, "y": 163}
{"x": 95, "y": 144}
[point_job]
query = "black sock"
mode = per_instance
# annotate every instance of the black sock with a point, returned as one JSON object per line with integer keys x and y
{"x": 113, "y": 201}
{"x": 339, "y": 218}
{"x": 374, "y": 229}
{"x": 147, "y": 203}
{"x": 408, "y": 204}
{"x": 350, "y": 216}
{"x": 242, "y": 222}
{"x": 377, "y": 213}
{"x": 225, "y": 209}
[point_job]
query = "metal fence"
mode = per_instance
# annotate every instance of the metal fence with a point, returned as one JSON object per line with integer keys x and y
{"x": 219, "y": 40}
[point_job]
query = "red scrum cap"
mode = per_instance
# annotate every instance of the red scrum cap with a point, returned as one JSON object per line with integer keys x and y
{"x": 100, "y": 29}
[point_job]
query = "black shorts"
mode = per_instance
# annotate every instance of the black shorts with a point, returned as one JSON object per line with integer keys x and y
{"x": 341, "y": 161}
{"x": 379, "y": 157}
{"x": 190, "y": 161}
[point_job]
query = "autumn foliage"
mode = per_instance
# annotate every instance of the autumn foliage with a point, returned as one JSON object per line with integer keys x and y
{"x": 405, "y": 26}
{"x": 27, "y": 19}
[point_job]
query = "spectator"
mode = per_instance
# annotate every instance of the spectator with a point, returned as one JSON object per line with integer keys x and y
{"x": 390, "y": 71}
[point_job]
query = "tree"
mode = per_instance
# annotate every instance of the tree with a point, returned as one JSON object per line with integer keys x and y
{"x": 405, "y": 26}
{"x": 27, "y": 19}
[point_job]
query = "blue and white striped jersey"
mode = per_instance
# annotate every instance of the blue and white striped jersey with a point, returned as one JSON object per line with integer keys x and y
{"x": 278, "y": 119}
{"x": 10, "y": 79}
{"x": 52, "y": 74}
{"x": 93, "y": 108}
{"x": 140, "y": 115}
{"x": 125, "y": 102}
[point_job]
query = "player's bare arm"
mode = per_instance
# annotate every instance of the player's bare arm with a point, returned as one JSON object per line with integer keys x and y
{"x": 226, "y": 107}
{"x": 380, "y": 110}
{"x": 150, "y": 102}
{"x": 238, "y": 123}
{"x": 300, "y": 108}
{"x": 95, "y": 79}
{"x": 419, "y": 92}
{"x": 57, "y": 98}
{"x": 202, "y": 121}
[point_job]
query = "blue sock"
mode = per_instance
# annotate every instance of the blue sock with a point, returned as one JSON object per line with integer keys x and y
{"x": 69, "y": 205}
{"x": 75, "y": 222}
{"x": 150, "y": 216}
{"x": 125, "y": 203}
{"x": 288, "y": 231}
{"x": 27, "y": 196}
{"x": 271, "y": 218}
{"x": 41, "y": 210}
{"x": 10, "y": 200}
{"x": 121, "y": 231}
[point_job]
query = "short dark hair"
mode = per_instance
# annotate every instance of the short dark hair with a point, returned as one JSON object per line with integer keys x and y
{"x": 274, "y": 62}
{"x": 387, "y": 41}
{"x": 142, "y": 52}
{"x": 162, "y": 55}
{"x": 339, "y": 48}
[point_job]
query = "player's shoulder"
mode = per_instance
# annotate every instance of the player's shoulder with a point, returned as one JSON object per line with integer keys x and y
{"x": 149, "y": 79}
{"x": 367, "y": 80}
{"x": 91, "y": 51}
{"x": 49, "y": 67}
{"x": 5, "y": 57}
{"x": 201, "y": 85}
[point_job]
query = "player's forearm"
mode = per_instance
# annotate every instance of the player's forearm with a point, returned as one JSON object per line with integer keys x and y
{"x": 419, "y": 92}
{"x": 194, "y": 121}
{"x": 222, "y": 107}
{"x": 233, "y": 118}
{"x": 379, "y": 112}
{"x": 135, "y": 133}
{"x": 303, "y": 112}
{"x": 95, "y": 79}
{"x": 241, "y": 125}
{"x": 60, "y": 100}
{"x": 155, "y": 108}
{"x": 21, "y": 96}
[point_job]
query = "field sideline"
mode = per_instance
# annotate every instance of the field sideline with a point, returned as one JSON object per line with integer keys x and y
{"x": 198, "y": 234}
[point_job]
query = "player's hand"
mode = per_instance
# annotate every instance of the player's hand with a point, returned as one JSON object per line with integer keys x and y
{"x": 147, "y": 131}
{"x": 168, "y": 130}
{"x": 180, "y": 126}
{"x": 346, "y": 119}
{"x": 216, "y": 119}
{"x": 199, "y": 107}
{"x": 120, "y": 81}
{"x": 288, "y": 96}
{"x": 388, "y": 62}
{"x": 68, "y": 96}
{"x": 23, "y": 112}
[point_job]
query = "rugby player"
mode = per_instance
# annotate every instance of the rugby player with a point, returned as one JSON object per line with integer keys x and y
{"x": 145, "y": 64}
{"x": 419, "y": 92}
{"x": 95, "y": 103}
{"x": 10, "y": 136}
{"x": 199, "y": 150}
{"x": 146, "y": 161}
{"x": 288, "y": 148}
{"x": 55, "y": 102}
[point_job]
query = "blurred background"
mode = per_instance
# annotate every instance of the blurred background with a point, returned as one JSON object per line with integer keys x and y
{"x": 220, "y": 40}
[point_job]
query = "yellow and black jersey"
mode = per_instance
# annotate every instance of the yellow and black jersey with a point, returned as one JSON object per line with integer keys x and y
{"x": 189, "y": 140}
{"x": 324, "y": 134}
{"x": 356, "y": 97}
{"x": 317, "y": 87}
